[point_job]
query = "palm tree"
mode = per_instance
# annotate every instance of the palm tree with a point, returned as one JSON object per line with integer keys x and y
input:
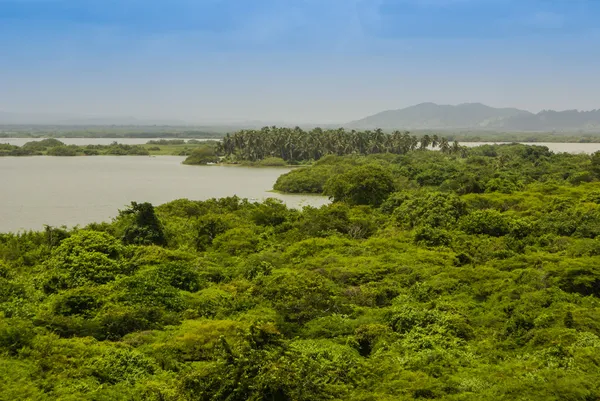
{"x": 295, "y": 144}
{"x": 444, "y": 145}
{"x": 425, "y": 141}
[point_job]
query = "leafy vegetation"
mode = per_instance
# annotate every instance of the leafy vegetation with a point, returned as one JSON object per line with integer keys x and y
{"x": 451, "y": 276}
{"x": 54, "y": 147}
{"x": 296, "y": 145}
{"x": 110, "y": 131}
{"x": 483, "y": 169}
{"x": 202, "y": 155}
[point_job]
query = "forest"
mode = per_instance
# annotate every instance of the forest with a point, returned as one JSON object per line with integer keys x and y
{"x": 297, "y": 145}
{"x": 37, "y": 131}
{"x": 467, "y": 275}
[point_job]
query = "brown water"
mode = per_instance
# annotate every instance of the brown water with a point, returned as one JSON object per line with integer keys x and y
{"x": 68, "y": 191}
{"x": 556, "y": 147}
{"x": 78, "y": 190}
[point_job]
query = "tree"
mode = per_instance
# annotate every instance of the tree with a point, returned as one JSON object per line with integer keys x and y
{"x": 142, "y": 227}
{"x": 204, "y": 155}
{"x": 362, "y": 185}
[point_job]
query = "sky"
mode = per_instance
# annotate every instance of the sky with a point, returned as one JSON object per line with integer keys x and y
{"x": 304, "y": 61}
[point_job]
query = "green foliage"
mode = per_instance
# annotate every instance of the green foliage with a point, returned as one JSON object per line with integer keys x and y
{"x": 434, "y": 209}
{"x": 303, "y": 180}
{"x": 62, "y": 151}
{"x": 272, "y": 162}
{"x": 480, "y": 280}
{"x": 487, "y": 221}
{"x": 202, "y": 155}
{"x": 85, "y": 258}
{"x": 362, "y": 185}
{"x": 141, "y": 226}
{"x": 122, "y": 365}
{"x": 430, "y": 236}
{"x": 237, "y": 241}
{"x": 296, "y": 145}
{"x": 54, "y": 147}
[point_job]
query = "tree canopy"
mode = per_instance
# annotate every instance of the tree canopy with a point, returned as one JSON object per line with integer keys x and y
{"x": 430, "y": 275}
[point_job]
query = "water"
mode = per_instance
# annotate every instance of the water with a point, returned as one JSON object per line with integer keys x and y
{"x": 89, "y": 141}
{"x": 557, "y": 147}
{"x": 69, "y": 191}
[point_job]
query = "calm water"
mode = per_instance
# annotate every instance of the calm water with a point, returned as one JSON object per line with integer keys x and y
{"x": 78, "y": 190}
{"x": 553, "y": 146}
{"x": 69, "y": 191}
{"x": 87, "y": 141}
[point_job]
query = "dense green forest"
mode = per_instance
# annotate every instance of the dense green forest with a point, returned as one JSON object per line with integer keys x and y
{"x": 54, "y": 147}
{"x": 472, "y": 275}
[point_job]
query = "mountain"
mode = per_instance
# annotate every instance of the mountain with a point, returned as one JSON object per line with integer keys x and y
{"x": 481, "y": 117}
{"x": 431, "y": 116}
{"x": 550, "y": 120}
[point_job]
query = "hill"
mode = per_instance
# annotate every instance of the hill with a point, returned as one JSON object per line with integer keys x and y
{"x": 479, "y": 116}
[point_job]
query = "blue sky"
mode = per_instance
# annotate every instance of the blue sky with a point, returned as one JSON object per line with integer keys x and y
{"x": 294, "y": 60}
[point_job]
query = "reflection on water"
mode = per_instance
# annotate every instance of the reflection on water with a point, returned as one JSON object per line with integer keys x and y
{"x": 42, "y": 190}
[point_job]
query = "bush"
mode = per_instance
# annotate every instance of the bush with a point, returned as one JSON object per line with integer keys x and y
{"x": 488, "y": 221}
{"x": 87, "y": 257}
{"x": 237, "y": 241}
{"x": 201, "y": 156}
{"x": 122, "y": 365}
{"x": 63, "y": 151}
{"x": 303, "y": 180}
{"x": 361, "y": 185}
{"x": 272, "y": 162}
{"x": 432, "y": 236}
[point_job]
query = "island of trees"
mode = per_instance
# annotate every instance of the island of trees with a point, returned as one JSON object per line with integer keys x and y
{"x": 54, "y": 147}
{"x": 466, "y": 275}
{"x": 276, "y": 146}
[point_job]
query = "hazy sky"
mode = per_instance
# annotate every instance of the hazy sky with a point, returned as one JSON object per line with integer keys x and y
{"x": 294, "y": 60}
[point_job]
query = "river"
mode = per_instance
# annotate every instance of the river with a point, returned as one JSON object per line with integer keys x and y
{"x": 72, "y": 191}
{"x": 78, "y": 190}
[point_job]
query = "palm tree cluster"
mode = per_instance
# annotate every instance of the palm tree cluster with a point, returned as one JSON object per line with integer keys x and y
{"x": 295, "y": 144}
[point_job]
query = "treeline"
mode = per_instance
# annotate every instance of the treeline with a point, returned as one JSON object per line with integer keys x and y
{"x": 296, "y": 145}
{"x": 54, "y": 147}
{"x": 100, "y": 131}
{"x": 411, "y": 284}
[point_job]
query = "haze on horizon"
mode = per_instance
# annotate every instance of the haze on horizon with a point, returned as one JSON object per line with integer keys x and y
{"x": 305, "y": 61}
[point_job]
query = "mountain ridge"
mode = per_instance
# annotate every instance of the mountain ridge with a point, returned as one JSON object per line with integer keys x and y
{"x": 422, "y": 116}
{"x": 479, "y": 116}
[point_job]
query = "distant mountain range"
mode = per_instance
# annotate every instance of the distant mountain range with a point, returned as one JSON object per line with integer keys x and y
{"x": 424, "y": 116}
{"x": 480, "y": 117}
